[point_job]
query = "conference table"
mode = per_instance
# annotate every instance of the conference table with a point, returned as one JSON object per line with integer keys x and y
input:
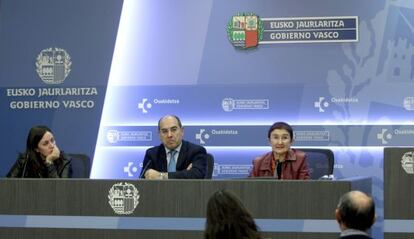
{"x": 86, "y": 208}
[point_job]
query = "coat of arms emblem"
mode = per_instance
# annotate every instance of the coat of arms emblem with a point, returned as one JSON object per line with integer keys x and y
{"x": 53, "y": 65}
{"x": 245, "y": 30}
{"x": 123, "y": 198}
{"x": 407, "y": 162}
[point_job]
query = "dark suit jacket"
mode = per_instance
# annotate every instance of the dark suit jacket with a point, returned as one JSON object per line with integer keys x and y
{"x": 156, "y": 158}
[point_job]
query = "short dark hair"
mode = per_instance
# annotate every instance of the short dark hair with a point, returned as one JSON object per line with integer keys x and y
{"x": 228, "y": 218}
{"x": 166, "y": 116}
{"x": 280, "y": 125}
{"x": 357, "y": 210}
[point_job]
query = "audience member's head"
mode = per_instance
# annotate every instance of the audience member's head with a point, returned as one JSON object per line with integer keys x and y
{"x": 228, "y": 218}
{"x": 355, "y": 210}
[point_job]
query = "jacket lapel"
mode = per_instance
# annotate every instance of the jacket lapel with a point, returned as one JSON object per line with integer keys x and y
{"x": 291, "y": 155}
{"x": 266, "y": 162}
{"x": 181, "y": 155}
{"x": 162, "y": 155}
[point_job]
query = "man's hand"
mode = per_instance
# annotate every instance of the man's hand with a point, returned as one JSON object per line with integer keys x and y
{"x": 152, "y": 174}
{"x": 190, "y": 166}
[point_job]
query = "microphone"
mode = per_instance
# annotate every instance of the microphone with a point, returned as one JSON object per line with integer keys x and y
{"x": 25, "y": 164}
{"x": 327, "y": 177}
{"x": 145, "y": 168}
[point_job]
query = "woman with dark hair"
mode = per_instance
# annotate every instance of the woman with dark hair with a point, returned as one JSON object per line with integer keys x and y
{"x": 227, "y": 218}
{"x": 282, "y": 162}
{"x": 42, "y": 158}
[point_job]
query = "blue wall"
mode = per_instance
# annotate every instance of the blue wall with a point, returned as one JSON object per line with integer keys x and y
{"x": 175, "y": 57}
{"x": 86, "y": 30}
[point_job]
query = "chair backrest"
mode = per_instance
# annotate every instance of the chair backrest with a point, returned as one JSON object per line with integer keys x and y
{"x": 320, "y": 161}
{"x": 210, "y": 166}
{"x": 81, "y": 165}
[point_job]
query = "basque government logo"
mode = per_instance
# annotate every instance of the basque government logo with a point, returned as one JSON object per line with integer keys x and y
{"x": 407, "y": 162}
{"x": 53, "y": 65}
{"x": 112, "y": 136}
{"x": 123, "y": 198}
{"x": 245, "y": 30}
{"x": 227, "y": 104}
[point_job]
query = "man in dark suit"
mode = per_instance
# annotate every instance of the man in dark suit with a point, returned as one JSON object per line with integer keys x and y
{"x": 355, "y": 215}
{"x": 174, "y": 158}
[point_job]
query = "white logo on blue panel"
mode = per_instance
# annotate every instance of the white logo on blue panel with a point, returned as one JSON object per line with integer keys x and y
{"x": 227, "y": 104}
{"x": 384, "y": 136}
{"x": 231, "y": 169}
{"x": 230, "y": 104}
{"x": 112, "y": 136}
{"x": 144, "y": 105}
{"x": 321, "y": 104}
{"x": 116, "y": 136}
{"x": 130, "y": 169}
{"x": 201, "y": 136}
{"x": 408, "y": 103}
{"x": 311, "y": 135}
{"x": 53, "y": 65}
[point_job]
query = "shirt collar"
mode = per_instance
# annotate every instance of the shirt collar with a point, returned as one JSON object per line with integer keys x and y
{"x": 176, "y": 149}
{"x": 350, "y": 231}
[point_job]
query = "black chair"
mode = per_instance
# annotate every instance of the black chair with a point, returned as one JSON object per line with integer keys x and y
{"x": 81, "y": 165}
{"x": 210, "y": 166}
{"x": 320, "y": 161}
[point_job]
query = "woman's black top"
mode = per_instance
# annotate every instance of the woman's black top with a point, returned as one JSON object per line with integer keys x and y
{"x": 26, "y": 167}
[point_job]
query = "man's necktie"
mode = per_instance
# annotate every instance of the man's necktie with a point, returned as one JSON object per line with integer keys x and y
{"x": 172, "y": 164}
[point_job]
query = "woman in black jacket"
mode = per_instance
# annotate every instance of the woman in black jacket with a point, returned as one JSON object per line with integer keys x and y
{"x": 42, "y": 158}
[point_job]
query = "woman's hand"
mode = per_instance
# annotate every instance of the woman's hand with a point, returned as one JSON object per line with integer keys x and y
{"x": 53, "y": 156}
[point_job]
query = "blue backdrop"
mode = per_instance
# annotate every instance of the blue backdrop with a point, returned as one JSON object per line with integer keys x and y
{"x": 86, "y": 30}
{"x": 140, "y": 60}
